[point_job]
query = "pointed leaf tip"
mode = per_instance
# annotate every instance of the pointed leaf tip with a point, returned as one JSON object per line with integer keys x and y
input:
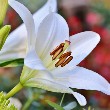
{"x": 4, "y": 31}
{"x": 54, "y": 105}
{"x": 3, "y": 10}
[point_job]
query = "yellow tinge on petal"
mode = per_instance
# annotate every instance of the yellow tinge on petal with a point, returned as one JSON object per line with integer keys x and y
{"x": 3, "y": 9}
{"x": 4, "y": 31}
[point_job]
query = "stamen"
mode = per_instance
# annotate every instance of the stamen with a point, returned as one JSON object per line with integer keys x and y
{"x": 61, "y": 60}
{"x": 57, "y": 48}
{"x": 67, "y": 61}
{"x": 57, "y": 53}
{"x": 65, "y": 54}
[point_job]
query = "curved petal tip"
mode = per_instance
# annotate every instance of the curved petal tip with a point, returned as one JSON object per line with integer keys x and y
{"x": 80, "y": 98}
{"x": 95, "y": 35}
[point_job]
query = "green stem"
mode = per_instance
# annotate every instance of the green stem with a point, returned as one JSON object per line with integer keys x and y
{"x": 27, "y": 104}
{"x": 17, "y": 88}
{"x": 62, "y": 99}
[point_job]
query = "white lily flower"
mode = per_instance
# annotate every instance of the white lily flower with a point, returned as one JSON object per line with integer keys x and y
{"x": 54, "y": 69}
{"x": 16, "y": 44}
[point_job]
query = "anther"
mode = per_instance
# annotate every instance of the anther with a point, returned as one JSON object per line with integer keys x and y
{"x": 61, "y": 60}
{"x": 57, "y": 48}
{"x": 67, "y": 61}
{"x": 65, "y": 54}
{"x": 57, "y": 53}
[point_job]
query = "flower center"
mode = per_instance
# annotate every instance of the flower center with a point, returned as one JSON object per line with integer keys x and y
{"x": 59, "y": 54}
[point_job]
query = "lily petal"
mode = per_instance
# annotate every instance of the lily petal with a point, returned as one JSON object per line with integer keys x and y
{"x": 27, "y": 18}
{"x": 55, "y": 87}
{"x": 82, "y": 78}
{"x": 52, "y": 32}
{"x": 80, "y": 98}
{"x": 31, "y": 60}
{"x": 81, "y": 46}
{"x": 14, "y": 48}
{"x": 16, "y": 43}
{"x": 47, "y": 85}
{"x": 44, "y": 11}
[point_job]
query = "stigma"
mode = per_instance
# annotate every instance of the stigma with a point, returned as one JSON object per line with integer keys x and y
{"x": 59, "y": 54}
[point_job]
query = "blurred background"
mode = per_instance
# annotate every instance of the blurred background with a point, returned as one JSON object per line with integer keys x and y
{"x": 81, "y": 15}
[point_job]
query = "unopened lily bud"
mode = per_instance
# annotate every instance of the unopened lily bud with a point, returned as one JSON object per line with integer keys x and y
{"x": 4, "y": 31}
{"x": 3, "y": 10}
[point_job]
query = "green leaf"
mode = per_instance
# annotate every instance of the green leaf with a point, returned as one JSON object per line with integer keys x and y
{"x": 3, "y": 10}
{"x": 12, "y": 63}
{"x": 4, "y": 31}
{"x": 54, "y": 105}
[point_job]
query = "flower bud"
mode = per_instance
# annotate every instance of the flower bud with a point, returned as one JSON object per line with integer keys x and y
{"x": 4, "y": 31}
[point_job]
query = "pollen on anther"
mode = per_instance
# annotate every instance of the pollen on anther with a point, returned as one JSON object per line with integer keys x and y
{"x": 61, "y": 60}
{"x": 65, "y": 54}
{"x": 57, "y": 53}
{"x": 67, "y": 61}
{"x": 57, "y": 48}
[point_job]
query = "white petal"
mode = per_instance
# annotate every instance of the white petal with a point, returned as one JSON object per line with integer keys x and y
{"x": 14, "y": 47}
{"x": 38, "y": 16}
{"x": 47, "y": 85}
{"x": 44, "y": 11}
{"x": 52, "y": 32}
{"x": 81, "y": 45}
{"x": 55, "y": 87}
{"x": 27, "y": 18}
{"x": 80, "y": 98}
{"x": 82, "y": 78}
{"x": 32, "y": 61}
{"x": 44, "y": 80}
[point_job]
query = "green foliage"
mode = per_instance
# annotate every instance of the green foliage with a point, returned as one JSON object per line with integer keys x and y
{"x": 89, "y": 108}
{"x": 54, "y": 105}
{"x": 33, "y": 5}
{"x": 4, "y": 104}
{"x": 100, "y": 8}
{"x": 3, "y": 9}
{"x": 4, "y": 31}
{"x": 12, "y": 63}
